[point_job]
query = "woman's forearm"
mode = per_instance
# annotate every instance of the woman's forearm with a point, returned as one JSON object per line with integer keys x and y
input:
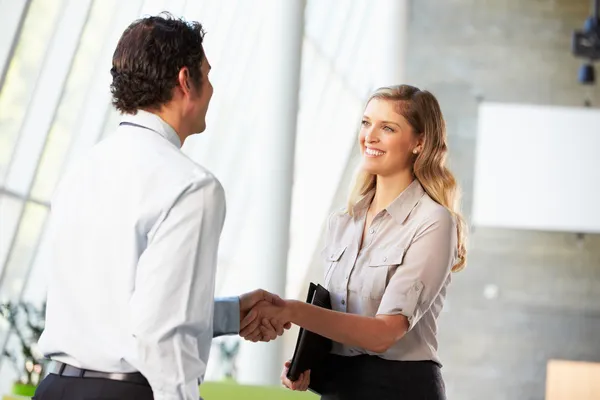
{"x": 372, "y": 334}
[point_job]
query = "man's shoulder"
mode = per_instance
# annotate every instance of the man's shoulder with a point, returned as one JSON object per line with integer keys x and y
{"x": 168, "y": 165}
{"x": 188, "y": 177}
{"x": 202, "y": 177}
{"x": 196, "y": 173}
{"x": 143, "y": 168}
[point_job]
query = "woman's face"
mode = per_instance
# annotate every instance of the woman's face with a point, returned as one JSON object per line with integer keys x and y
{"x": 386, "y": 139}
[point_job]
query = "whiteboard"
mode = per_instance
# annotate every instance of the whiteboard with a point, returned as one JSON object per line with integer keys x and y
{"x": 538, "y": 168}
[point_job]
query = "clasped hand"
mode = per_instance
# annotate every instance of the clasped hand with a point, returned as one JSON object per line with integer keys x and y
{"x": 261, "y": 316}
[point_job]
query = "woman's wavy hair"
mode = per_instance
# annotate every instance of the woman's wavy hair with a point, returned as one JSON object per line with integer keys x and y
{"x": 422, "y": 111}
{"x": 148, "y": 58}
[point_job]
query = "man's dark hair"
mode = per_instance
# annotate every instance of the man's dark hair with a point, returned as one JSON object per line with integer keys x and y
{"x": 148, "y": 58}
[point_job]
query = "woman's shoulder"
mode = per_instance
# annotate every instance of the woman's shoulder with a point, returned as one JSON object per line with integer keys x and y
{"x": 338, "y": 216}
{"x": 430, "y": 211}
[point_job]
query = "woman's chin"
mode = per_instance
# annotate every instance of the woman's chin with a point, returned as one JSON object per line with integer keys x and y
{"x": 370, "y": 167}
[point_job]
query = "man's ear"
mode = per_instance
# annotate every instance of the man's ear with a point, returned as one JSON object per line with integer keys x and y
{"x": 184, "y": 80}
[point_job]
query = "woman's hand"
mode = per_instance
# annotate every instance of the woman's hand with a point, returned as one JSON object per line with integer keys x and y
{"x": 254, "y": 329}
{"x": 301, "y": 384}
{"x": 263, "y": 319}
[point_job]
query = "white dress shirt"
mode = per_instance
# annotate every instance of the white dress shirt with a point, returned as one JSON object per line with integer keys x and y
{"x": 135, "y": 227}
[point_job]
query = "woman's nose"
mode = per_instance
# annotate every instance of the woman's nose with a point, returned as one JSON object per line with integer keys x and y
{"x": 371, "y": 138}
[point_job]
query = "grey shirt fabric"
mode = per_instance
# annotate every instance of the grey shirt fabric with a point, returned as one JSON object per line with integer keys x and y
{"x": 403, "y": 267}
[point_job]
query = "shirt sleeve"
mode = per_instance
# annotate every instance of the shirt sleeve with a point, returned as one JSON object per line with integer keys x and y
{"x": 424, "y": 270}
{"x": 226, "y": 320}
{"x": 173, "y": 300}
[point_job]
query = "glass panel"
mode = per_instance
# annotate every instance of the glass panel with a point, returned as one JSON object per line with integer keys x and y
{"x": 23, "y": 251}
{"x": 93, "y": 119}
{"x": 18, "y": 265}
{"x": 21, "y": 78}
{"x": 46, "y": 98}
{"x": 36, "y": 285}
{"x": 346, "y": 56}
{"x": 10, "y": 212}
{"x": 8, "y": 370}
{"x": 330, "y": 37}
{"x": 11, "y": 16}
{"x": 65, "y": 125}
{"x": 153, "y": 7}
{"x": 112, "y": 121}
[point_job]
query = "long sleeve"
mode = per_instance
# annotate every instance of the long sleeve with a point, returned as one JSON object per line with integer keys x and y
{"x": 226, "y": 320}
{"x": 173, "y": 301}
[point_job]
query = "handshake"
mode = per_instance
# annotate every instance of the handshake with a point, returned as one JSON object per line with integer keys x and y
{"x": 263, "y": 316}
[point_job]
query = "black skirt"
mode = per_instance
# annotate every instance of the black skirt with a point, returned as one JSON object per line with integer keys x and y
{"x": 370, "y": 377}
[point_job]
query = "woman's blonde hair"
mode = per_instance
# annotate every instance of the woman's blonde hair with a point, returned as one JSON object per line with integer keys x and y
{"x": 422, "y": 111}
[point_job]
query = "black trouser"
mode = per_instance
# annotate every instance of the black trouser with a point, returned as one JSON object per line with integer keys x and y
{"x": 370, "y": 377}
{"x": 55, "y": 387}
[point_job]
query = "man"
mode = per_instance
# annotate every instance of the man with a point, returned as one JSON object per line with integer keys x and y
{"x": 135, "y": 226}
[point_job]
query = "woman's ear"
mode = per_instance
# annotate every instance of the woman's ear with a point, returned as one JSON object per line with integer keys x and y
{"x": 419, "y": 144}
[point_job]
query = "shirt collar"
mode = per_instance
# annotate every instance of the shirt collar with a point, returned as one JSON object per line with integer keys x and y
{"x": 402, "y": 205}
{"x": 363, "y": 204}
{"x": 154, "y": 123}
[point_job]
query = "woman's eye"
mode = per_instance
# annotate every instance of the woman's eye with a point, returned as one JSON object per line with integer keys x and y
{"x": 364, "y": 123}
{"x": 388, "y": 129}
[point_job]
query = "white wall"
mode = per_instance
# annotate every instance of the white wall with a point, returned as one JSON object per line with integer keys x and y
{"x": 537, "y": 167}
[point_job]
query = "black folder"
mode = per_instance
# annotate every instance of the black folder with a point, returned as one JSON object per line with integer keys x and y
{"x": 312, "y": 349}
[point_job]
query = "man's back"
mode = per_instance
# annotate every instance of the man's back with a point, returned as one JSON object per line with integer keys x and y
{"x": 135, "y": 228}
{"x": 106, "y": 210}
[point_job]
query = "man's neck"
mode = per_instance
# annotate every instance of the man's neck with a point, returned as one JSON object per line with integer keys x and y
{"x": 388, "y": 188}
{"x": 174, "y": 120}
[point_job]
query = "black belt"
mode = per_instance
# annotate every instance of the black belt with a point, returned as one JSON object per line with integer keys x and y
{"x": 62, "y": 369}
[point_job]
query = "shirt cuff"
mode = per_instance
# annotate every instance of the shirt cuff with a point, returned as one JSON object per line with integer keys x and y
{"x": 226, "y": 319}
{"x": 407, "y": 305}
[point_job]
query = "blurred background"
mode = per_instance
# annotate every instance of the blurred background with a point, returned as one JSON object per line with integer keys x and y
{"x": 291, "y": 78}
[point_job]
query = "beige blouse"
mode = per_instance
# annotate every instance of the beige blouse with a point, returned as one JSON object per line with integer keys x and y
{"x": 402, "y": 268}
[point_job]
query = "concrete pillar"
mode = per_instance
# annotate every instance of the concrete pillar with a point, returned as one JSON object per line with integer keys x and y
{"x": 273, "y": 166}
{"x": 391, "y": 21}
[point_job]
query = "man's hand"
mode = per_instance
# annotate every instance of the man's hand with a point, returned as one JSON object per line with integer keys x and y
{"x": 270, "y": 329}
{"x": 250, "y": 299}
{"x": 263, "y": 319}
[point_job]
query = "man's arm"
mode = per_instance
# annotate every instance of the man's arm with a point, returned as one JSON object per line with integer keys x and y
{"x": 226, "y": 320}
{"x": 230, "y": 311}
{"x": 172, "y": 304}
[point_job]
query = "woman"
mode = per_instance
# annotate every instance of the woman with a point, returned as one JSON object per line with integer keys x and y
{"x": 389, "y": 257}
